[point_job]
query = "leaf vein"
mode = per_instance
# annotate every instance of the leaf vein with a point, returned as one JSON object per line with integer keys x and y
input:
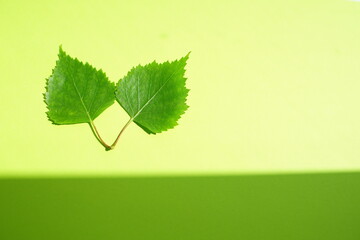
{"x": 78, "y": 93}
{"x": 156, "y": 93}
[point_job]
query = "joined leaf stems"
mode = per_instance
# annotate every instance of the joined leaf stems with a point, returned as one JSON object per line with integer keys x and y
{"x": 97, "y": 136}
{"x": 101, "y": 141}
{"x": 119, "y": 135}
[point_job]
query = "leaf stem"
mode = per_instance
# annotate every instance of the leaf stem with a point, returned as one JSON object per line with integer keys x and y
{"x": 98, "y": 137}
{"x": 122, "y": 130}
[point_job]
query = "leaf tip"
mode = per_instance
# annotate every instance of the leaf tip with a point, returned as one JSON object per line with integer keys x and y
{"x": 60, "y": 48}
{"x": 185, "y": 58}
{"x": 61, "y": 53}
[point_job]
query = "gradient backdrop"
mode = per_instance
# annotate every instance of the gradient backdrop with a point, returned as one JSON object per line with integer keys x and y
{"x": 274, "y": 89}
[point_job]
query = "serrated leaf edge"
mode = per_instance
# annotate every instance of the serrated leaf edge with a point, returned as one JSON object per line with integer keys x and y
{"x": 186, "y": 97}
{"x": 52, "y": 73}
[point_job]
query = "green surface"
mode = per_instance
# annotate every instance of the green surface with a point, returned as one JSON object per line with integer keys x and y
{"x": 283, "y": 207}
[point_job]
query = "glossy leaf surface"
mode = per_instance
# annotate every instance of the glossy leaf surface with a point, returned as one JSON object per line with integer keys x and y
{"x": 154, "y": 95}
{"x": 76, "y": 92}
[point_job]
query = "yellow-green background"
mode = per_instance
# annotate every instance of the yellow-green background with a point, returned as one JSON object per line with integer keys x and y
{"x": 274, "y": 85}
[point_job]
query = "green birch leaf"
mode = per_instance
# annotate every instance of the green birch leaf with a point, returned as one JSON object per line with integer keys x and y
{"x": 76, "y": 92}
{"x": 154, "y": 95}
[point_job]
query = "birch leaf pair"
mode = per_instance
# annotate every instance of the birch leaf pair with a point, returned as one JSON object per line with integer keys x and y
{"x": 154, "y": 95}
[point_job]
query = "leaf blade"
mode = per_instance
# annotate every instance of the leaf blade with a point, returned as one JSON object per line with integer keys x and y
{"x": 154, "y": 95}
{"x": 76, "y": 92}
